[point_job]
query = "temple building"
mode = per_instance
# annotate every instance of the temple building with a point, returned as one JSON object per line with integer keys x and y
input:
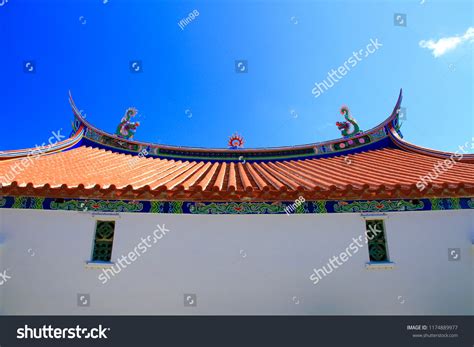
{"x": 101, "y": 223}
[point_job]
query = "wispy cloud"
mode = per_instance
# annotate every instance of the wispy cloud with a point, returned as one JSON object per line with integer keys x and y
{"x": 446, "y": 44}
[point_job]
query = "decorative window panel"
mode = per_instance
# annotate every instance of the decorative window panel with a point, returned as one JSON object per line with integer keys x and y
{"x": 103, "y": 241}
{"x": 377, "y": 242}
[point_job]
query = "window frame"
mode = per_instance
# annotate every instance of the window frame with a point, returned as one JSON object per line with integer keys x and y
{"x": 94, "y": 242}
{"x": 378, "y": 265}
{"x": 384, "y": 231}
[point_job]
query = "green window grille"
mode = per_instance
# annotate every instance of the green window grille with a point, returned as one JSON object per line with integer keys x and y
{"x": 376, "y": 240}
{"x": 103, "y": 241}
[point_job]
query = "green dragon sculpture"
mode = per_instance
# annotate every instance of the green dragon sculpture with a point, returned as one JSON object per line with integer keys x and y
{"x": 344, "y": 126}
{"x": 126, "y": 129}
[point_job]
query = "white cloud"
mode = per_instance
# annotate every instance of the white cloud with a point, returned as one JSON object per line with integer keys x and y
{"x": 446, "y": 44}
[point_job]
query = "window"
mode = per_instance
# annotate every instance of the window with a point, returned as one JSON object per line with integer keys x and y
{"x": 103, "y": 241}
{"x": 376, "y": 240}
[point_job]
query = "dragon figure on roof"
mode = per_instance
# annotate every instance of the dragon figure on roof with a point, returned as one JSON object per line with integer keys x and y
{"x": 344, "y": 127}
{"x": 126, "y": 129}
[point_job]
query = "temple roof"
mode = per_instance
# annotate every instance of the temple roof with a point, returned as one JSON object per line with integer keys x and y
{"x": 374, "y": 164}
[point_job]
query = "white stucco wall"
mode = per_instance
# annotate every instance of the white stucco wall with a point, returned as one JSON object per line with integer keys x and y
{"x": 254, "y": 264}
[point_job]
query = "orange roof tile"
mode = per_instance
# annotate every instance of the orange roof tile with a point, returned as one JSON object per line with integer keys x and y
{"x": 376, "y": 164}
{"x": 90, "y": 172}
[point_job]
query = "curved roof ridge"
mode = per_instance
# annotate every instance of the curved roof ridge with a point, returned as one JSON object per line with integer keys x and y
{"x": 393, "y": 115}
{"x": 51, "y": 148}
{"x": 401, "y": 143}
{"x": 97, "y": 137}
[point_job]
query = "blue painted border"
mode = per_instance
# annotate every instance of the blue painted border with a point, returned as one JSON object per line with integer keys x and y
{"x": 183, "y": 207}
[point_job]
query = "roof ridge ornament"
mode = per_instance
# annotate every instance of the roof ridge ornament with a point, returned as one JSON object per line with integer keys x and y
{"x": 126, "y": 129}
{"x": 345, "y": 126}
{"x": 236, "y": 141}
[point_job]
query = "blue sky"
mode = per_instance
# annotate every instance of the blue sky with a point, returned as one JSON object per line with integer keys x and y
{"x": 188, "y": 92}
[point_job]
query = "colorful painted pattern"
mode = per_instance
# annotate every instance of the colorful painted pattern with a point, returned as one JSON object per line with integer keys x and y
{"x": 92, "y": 205}
{"x": 181, "y": 207}
{"x": 470, "y": 203}
{"x": 447, "y": 204}
{"x": 236, "y": 208}
{"x": 319, "y": 206}
{"x": 351, "y": 143}
{"x": 106, "y": 141}
{"x": 380, "y": 206}
{"x": 157, "y": 207}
